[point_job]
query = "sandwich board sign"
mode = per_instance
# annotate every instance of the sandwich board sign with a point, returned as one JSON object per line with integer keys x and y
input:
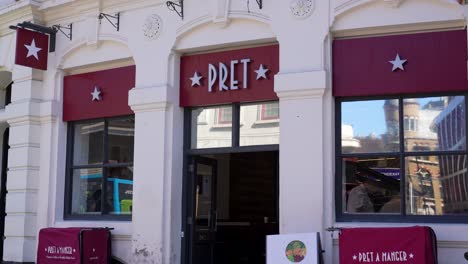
{"x": 303, "y": 248}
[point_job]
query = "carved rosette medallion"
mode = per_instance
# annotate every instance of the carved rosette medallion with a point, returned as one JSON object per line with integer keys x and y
{"x": 152, "y": 27}
{"x": 302, "y": 8}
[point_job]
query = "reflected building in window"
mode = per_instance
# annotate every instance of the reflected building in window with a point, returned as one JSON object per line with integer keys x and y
{"x": 212, "y": 127}
{"x": 422, "y": 171}
{"x": 348, "y": 141}
{"x": 450, "y": 125}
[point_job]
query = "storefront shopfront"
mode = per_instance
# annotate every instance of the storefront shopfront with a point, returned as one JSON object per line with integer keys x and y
{"x": 196, "y": 133}
{"x": 408, "y": 155}
{"x": 231, "y": 152}
{"x": 400, "y": 122}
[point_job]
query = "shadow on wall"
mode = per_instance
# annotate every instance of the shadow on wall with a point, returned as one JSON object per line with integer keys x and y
{"x": 5, "y": 81}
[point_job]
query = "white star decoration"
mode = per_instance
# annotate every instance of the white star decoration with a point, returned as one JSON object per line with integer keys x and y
{"x": 96, "y": 94}
{"x": 32, "y": 50}
{"x": 196, "y": 79}
{"x": 261, "y": 72}
{"x": 411, "y": 255}
{"x": 398, "y": 63}
{"x": 354, "y": 257}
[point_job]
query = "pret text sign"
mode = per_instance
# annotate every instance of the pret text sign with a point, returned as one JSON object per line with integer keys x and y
{"x": 244, "y": 75}
{"x": 31, "y": 49}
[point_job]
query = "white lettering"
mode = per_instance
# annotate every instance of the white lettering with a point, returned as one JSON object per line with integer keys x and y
{"x": 245, "y": 82}
{"x": 212, "y": 76}
{"x": 234, "y": 82}
{"x": 224, "y": 72}
{"x": 394, "y": 256}
{"x": 366, "y": 256}
{"x": 223, "y": 75}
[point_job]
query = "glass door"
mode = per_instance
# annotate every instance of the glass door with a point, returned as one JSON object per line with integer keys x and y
{"x": 204, "y": 210}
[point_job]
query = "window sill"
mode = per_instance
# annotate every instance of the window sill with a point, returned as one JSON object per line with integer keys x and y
{"x": 392, "y": 218}
{"x": 266, "y": 122}
{"x": 222, "y": 126}
{"x": 127, "y": 218}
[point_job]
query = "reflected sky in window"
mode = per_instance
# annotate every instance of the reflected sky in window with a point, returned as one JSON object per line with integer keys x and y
{"x": 375, "y": 121}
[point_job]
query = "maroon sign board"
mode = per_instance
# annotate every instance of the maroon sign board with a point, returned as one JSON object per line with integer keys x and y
{"x": 31, "y": 49}
{"x": 401, "y": 245}
{"x": 243, "y": 75}
{"x": 73, "y": 246}
{"x": 429, "y": 62}
{"x": 98, "y": 94}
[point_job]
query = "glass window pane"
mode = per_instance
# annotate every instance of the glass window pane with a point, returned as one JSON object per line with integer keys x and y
{"x": 259, "y": 124}
{"x": 211, "y": 127}
{"x": 120, "y": 190}
{"x": 120, "y": 135}
{"x": 436, "y": 185}
{"x": 88, "y": 143}
{"x": 204, "y": 196}
{"x": 371, "y": 185}
{"x": 440, "y": 123}
{"x": 86, "y": 191}
{"x": 370, "y": 126}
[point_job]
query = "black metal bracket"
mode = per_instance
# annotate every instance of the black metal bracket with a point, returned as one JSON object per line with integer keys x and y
{"x": 46, "y": 30}
{"x": 62, "y": 28}
{"x": 333, "y": 229}
{"x": 260, "y": 3}
{"x": 173, "y": 7}
{"x": 115, "y": 24}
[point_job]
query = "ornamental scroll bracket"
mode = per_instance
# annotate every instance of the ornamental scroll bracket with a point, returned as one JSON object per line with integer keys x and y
{"x": 177, "y": 7}
{"x": 62, "y": 29}
{"x": 109, "y": 18}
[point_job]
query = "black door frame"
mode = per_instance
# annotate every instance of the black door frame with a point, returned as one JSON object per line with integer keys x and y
{"x": 187, "y": 183}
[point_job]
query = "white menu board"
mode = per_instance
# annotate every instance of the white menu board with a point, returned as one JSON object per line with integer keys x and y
{"x": 293, "y": 248}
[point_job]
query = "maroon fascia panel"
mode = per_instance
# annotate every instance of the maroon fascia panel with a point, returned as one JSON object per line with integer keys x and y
{"x": 114, "y": 85}
{"x": 257, "y": 90}
{"x": 436, "y": 62}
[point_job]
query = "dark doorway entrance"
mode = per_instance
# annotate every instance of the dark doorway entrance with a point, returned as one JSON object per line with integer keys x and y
{"x": 233, "y": 206}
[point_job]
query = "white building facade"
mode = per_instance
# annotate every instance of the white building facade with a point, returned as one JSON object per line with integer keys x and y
{"x": 155, "y": 39}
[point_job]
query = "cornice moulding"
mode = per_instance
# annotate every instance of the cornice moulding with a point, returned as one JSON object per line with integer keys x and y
{"x": 73, "y": 11}
{"x": 15, "y": 16}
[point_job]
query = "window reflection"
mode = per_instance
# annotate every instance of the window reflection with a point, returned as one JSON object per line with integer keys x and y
{"x": 434, "y": 123}
{"x": 371, "y": 185}
{"x": 436, "y": 185}
{"x": 88, "y": 143}
{"x": 370, "y": 126}
{"x": 259, "y": 124}
{"x": 212, "y": 127}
